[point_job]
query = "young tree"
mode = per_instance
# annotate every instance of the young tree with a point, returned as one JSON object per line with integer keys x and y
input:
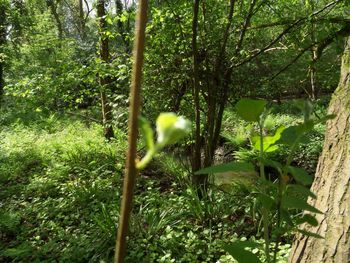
{"x": 331, "y": 184}
{"x": 104, "y": 81}
{"x": 3, "y": 30}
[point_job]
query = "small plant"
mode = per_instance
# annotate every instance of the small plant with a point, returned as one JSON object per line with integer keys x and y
{"x": 278, "y": 200}
{"x": 170, "y": 129}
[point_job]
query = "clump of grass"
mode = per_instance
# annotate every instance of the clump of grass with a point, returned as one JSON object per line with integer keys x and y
{"x": 56, "y": 174}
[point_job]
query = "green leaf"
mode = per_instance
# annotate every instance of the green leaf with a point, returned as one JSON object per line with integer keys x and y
{"x": 269, "y": 142}
{"x": 171, "y": 128}
{"x": 325, "y": 118}
{"x": 286, "y": 217}
{"x": 278, "y": 166}
{"x": 310, "y": 234}
{"x": 300, "y": 175}
{"x": 227, "y": 167}
{"x": 250, "y": 110}
{"x": 295, "y": 203}
{"x": 294, "y": 190}
{"x": 307, "y": 219}
{"x": 147, "y": 132}
{"x": 292, "y": 135}
{"x": 266, "y": 201}
{"x": 238, "y": 252}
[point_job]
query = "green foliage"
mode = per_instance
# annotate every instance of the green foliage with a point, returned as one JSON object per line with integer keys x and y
{"x": 170, "y": 129}
{"x": 250, "y": 110}
{"x": 275, "y": 199}
{"x": 54, "y": 181}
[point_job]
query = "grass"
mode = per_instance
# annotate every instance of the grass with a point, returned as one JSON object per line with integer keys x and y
{"x": 60, "y": 189}
{"x": 55, "y": 175}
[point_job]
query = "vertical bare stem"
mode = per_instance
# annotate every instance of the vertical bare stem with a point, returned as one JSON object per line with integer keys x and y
{"x": 131, "y": 171}
{"x": 196, "y": 163}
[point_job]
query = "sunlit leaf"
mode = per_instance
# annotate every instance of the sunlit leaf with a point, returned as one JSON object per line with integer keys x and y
{"x": 250, "y": 110}
{"x": 268, "y": 141}
{"x": 171, "y": 128}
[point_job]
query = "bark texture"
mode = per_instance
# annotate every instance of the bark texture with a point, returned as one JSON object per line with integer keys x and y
{"x": 332, "y": 184}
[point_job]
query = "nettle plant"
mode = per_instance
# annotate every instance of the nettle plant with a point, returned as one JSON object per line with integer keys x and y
{"x": 282, "y": 202}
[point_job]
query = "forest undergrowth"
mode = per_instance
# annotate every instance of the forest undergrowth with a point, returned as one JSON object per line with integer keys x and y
{"x": 61, "y": 188}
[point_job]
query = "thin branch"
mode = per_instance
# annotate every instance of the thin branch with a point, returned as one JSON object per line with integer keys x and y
{"x": 246, "y": 24}
{"x": 284, "y": 32}
{"x": 335, "y": 20}
{"x": 135, "y": 101}
{"x": 321, "y": 45}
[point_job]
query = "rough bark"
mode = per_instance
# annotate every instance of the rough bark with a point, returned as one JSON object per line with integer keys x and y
{"x": 332, "y": 184}
{"x": 104, "y": 81}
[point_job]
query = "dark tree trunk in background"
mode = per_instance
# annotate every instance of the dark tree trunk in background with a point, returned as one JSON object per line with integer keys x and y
{"x": 104, "y": 81}
{"x": 53, "y": 5}
{"x": 3, "y": 31}
{"x": 123, "y": 30}
{"x": 332, "y": 184}
{"x": 81, "y": 20}
{"x": 198, "y": 180}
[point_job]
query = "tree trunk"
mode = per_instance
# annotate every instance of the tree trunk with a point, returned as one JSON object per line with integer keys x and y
{"x": 104, "y": 81}
{"x": 332, "y": 184}
{"x": 3, "y": 8}
{"x": 81, "y": 20}
{"x": 53, "y": 7}
{"x": 198, "y": 180}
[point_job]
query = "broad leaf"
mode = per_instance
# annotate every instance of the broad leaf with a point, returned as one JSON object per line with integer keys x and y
{"x": 250, "y": 110}
{"x": 269, "y": 142}
{"x": 295, "y": 190}
{"x": 307, "y": 219}
{"x": 286, "y": 217}
{"x": 171, "y": 128}
{"x": 227, "y": 167}
{"x": 278, "y": 166}
{"x": 310, "y": 234}
{"x": 266, "y": 201}
{"x": 295, "y": 203}
{"x": 300, "y": 175}
{"x": 238, "y": 252}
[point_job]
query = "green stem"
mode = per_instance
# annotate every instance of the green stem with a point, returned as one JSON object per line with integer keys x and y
{"x": 146, "y": 159}
{"x": 264, "y": 210}
{"x": 281, "y": 186}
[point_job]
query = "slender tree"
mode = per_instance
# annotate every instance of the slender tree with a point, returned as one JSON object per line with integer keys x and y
{"x": 3, "y": 31}
{"x": 134, "y": 110}
{"x": 104, "y": 81}
{"x": 196, "y": 153}
{"x": 81, "y": 19}
{"x": 53, "y": 5}
{"x": 331, "y": 184}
